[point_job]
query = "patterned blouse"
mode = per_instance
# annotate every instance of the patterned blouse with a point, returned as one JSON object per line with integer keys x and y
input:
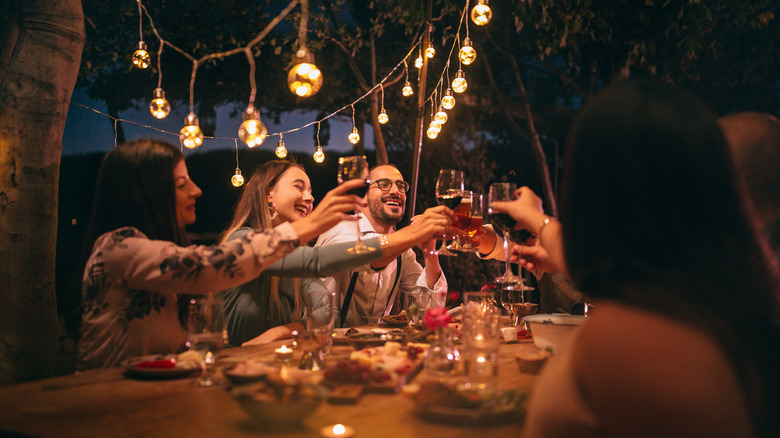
{"x": 130, "y": 286}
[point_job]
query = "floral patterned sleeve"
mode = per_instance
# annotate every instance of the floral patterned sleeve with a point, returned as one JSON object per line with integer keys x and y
{"x": 128, "y": 257}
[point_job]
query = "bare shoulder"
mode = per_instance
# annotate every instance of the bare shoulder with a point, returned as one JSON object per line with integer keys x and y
{"x": 638, "y": 367}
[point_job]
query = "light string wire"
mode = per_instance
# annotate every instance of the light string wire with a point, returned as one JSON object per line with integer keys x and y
{"x": 247, "y": 50}
{"x": 452, "y": 50}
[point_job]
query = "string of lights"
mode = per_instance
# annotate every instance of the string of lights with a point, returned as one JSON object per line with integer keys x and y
{"x": 304, "y": 80}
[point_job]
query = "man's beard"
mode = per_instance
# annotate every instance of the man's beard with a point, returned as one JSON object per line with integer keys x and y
{"x": 377, "y": 209}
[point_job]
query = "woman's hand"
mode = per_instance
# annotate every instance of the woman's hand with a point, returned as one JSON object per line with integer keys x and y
{"x": 333, "y": 209}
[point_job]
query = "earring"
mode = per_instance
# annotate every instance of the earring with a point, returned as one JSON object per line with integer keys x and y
{"x": 274, "y": 213}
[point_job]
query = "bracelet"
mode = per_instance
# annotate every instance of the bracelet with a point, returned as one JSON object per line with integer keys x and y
{"x": 383, "y": 242}
{"x": 545, "y": 221}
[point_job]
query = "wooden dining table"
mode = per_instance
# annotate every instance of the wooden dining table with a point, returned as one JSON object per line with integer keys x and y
{"x": 110, "y": 402}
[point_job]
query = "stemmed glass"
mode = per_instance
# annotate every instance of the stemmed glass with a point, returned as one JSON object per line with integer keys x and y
{"x": 503, "y": 223}
{"x": 206, "y": 333}
{"x": 518, "y": 300}
{"x": 449, "y": 191}
{"x": 356, "y": 167}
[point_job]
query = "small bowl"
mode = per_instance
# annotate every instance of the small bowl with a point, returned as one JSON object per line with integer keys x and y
{"x": 553, "y": 332}
{"x": 270, "y": 411}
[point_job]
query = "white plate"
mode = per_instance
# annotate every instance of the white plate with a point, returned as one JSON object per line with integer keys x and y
{"x": 167, "y": 373}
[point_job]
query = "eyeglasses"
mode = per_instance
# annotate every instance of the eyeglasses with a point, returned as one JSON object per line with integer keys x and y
{"x": 385, "y": 184}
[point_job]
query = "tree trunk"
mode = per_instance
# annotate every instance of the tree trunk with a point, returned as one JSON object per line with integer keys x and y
{"x": 35, "y": 90}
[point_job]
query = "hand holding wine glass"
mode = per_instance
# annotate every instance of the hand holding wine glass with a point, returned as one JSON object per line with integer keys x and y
{"x": 206, "y": 333}
{"x": 355, "y": 167}
{"x": 449, "y": 192}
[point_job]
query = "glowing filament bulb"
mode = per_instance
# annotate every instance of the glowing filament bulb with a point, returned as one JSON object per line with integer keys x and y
{"x": 432, "y": 133}
{"x": 407, "y": 91}
{"x": 467, "y": 53}
{"x": 481, "y": 14}
{"x": 354, "y": 137}
{"x": 141, "y": 58}
{"x": 459, "y": 84}
{"x": 441, "y": 115}
{"x": 448, "y": 101}
{"x": 191, "y": 135}
{"x": 160, "y": 108}
{"x": 281, "y": 151}
{"x": 383, "y": 117}
{"x": 252, "y": 131}
{"x": 305, "y": 79}
{"x": 418, "y": 62}
{"x": 430, "y": 52}
{"x": 436, "y": 126}
{"x": 237, "y": 180}
{"x": 319, "y": 156}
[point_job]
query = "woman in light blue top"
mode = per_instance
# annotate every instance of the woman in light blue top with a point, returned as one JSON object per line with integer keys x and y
{"x": 270, "y": 307}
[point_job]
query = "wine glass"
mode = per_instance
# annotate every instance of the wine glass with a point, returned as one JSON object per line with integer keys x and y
{"x": 206, "y": 333}
{"x": 356, "y": 167}
{"x": 475, "y": 206}
{"x": 449, "y": 192}
{"x": 518, "y": 299}
{"x": 503, "y": 222}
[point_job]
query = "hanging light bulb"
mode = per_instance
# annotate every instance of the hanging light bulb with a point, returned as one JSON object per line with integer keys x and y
{"x": 304, "y": 79}
{"x": 436, "y": 126}
{"x": 191, "y": 135}
{"x": 354, "y": 137}
{"x": 433, "y": 131}
{"x": 382, "y": 117}
{"x": 430, "y": 52}
{"x": 459, "y": 84}
{"x": 467, "y": 53}
{"x": 407, "y": 91}
{"x": 237, "y": 180}
{"x": 160, "y": 108}
{"x": 252, "y": 131}
{"x": 481, "y": 14}
{"x": 448, "y": 101}
{"x": 319, "y": 156}
{"x": 281, "y": 151}
{"x": 418, "y": 62}
{"x": 441, "y": 115}
{"x": 141, "y": 58}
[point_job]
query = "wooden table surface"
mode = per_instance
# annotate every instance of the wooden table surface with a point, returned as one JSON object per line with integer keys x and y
{"x": 106, "y": 402}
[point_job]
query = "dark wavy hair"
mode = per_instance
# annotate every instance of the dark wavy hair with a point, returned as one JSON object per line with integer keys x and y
{"x": 652, "y": 217}
{"x": 135, "y": 187}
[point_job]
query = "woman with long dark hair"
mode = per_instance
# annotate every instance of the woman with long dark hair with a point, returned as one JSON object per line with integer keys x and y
{"x": 683, "y": 338}
{"x": 272, "y": 305}
{"x": 138, "y": 262}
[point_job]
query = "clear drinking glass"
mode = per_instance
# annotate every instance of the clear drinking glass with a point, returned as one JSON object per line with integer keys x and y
{"x": 503, "y": 222}
{"x": 317, "y": 340}
{"x": 518, "y": 299}
{"x": 356, "y": 167}
{"x": 449, "y": 188}
{"x": 206, "y": 333}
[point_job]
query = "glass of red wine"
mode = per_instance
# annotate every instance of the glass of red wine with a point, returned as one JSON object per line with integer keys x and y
{"x": 503, "y": 223}
{"x": 356, "y": 167}
{"x": 449, "y": 192}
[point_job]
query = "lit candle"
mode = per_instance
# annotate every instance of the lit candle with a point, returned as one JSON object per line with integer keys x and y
{"x": 337, "y": 430}
{"x": 283, "y": 353}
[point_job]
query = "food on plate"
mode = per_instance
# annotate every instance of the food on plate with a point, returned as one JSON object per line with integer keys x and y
{"x": 158, "y": 363}
{"x": 252, "y": 367}
{"x": 380, "y": 364}
{"x": 188, "y": 359}
{"x": 351, "y": 331}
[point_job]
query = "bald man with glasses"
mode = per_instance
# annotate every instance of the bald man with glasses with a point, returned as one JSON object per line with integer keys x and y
{"x": 373, "y": 290}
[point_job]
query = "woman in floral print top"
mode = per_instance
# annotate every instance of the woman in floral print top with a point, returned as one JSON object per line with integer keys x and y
{"x": 139, "y": 260}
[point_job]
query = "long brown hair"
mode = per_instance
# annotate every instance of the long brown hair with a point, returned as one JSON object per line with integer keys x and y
{"x": 253, "y": 211}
